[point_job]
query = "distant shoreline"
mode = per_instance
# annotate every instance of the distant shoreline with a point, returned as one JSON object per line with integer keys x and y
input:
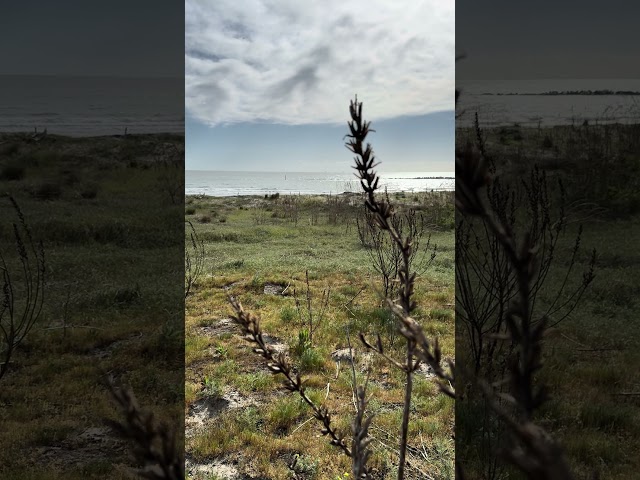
{"x": 569, "y": 93}
{"x": 308, "y": 195}
{"x": 25, "y": 135}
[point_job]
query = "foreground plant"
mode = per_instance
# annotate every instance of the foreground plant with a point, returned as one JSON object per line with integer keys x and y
{"x": 418, "y": 347}
{"x": 486, "y": 281}
{"x": 21, "y": 300}
{"x": 156, "y": 447}
{"x": 279, "y": 363}
{"x": 532, "y": 450}
{"x": 384, "y": 254}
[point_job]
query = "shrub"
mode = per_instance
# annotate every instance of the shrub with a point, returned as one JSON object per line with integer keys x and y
{"x": 12, "y": 172}
{"x": 9, "y": 149}
{"x": 89, "y": 191}
{"x": 287, "y": 314}
{"x": 310, "y": 360}
{"x": 47, "y": 191}
{"x": 304, "y": 343}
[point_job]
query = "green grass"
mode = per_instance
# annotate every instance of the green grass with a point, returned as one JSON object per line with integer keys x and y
{"x": 104, "y": 220}
{"x": 261, "y": 244}
{"x": 590, "y": 357}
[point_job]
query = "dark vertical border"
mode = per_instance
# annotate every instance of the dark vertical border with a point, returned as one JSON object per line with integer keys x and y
{"x": 92, "y": 151}
{"x": 556, "y": 91}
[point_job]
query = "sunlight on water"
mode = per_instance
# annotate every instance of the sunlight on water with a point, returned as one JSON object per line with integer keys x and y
{"x": 225, "y": 184}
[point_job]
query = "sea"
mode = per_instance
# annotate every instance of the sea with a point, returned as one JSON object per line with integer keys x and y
{"x": 496, "y": 107}
{"x": 225, "y": 184}
{"x": 91, "y": 106}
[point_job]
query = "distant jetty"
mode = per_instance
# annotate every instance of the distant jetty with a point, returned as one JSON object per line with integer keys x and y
{"x": 571, "y": 92}
{"x": 435, "y": 178}
{"x": 422, "y": 178}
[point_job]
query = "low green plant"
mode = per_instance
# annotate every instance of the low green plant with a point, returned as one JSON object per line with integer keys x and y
{"x": 211, "y": 388}
{"x": 303, "y": 465}
{"x": 304, "y": 343}
{"x": 287, "y": 314}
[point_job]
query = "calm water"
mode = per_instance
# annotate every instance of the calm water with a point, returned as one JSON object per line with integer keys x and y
{"x": 224, "y": 184}
{"x": 86, "y": 106}
{"x": 531, "y": 110}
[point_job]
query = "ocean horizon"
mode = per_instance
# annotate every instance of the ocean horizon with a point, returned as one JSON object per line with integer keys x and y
{"x": 527, "y": 102}
{"x": 91, "y": 106}
{"x": 227, "y": 183}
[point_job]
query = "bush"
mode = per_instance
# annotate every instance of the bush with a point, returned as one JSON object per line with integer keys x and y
{"x": 47, "y": 191}
{"x": 12, "y": 172}
{"x": 287, "y": 314}
{"x": 311, "y": 360}
{"x": 9, "y": 149}
{"x": 204, "y": 219}
{"x": 89, "y": 191}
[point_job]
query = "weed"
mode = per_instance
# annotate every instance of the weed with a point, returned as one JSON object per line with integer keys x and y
{"x": 21, "y": 300}
{"x": 193, "y": 259}
{"x": 287, "y": 314}
{"x": 211, "y": 388}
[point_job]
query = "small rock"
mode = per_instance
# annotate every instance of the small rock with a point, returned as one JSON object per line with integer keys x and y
{"x": 273, "y": 289}
{"x": 343, "y": 355}
{"x": 226, "y": 325}
{"x": 216, "y": 469}
{"x": 276, "y": 344}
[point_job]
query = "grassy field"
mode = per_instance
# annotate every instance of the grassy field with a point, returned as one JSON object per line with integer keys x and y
{"x": 111, "y": 227}
{"x": 240, "y": 422}
{"x": 591, "y": 358}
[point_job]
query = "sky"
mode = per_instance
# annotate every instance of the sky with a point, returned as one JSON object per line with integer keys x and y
{"x": 268, "y": 83}
{"x": 123, "y": 38}
{"x": 506, "y": 39}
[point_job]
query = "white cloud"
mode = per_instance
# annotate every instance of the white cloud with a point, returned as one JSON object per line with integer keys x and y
{"x": 298, "y": 62}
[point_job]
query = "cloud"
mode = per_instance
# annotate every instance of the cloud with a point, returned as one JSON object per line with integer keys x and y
{"x": 293, "y": 62}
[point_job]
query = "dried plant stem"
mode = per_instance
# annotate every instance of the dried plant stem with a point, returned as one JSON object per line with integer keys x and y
{"x": 409, "y": 328}
{"x": 193, "y": 259}
{"x": 533, "y": 450}
{"x": 156, "y": 447}
{"x": 279, "y": 364}
{"x": 313, "y": 321}
{"x": 360, "y": 426}
{"x": 17, "y": 317}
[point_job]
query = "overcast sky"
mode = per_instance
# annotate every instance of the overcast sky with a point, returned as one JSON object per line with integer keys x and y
{"x": 268, "y": 79}
{"x": 139, "y": 38}
{"x": 507, "y": 39}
